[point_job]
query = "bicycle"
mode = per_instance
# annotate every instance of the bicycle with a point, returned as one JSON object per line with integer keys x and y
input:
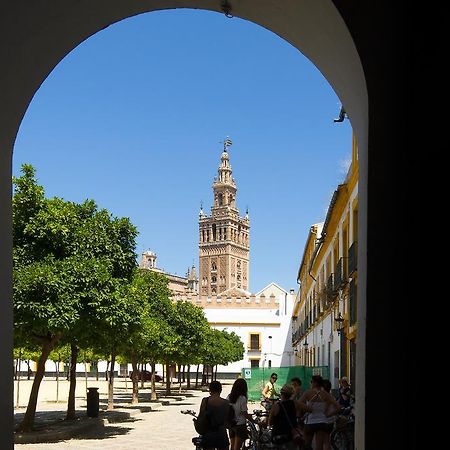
{"x": 255, "y": 431}
{"x": 342, "y": 436}
{"x": 260, "y": 435}
{"x": 198, "y": 440}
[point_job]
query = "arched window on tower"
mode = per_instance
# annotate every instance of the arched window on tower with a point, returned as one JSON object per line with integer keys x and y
{"x": 220, "y": 199}
{"x": 213, "y": 266}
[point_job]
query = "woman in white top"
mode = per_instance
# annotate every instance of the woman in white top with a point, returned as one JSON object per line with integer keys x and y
{"x": 238, "y": 400}
{"x": 322, "y": 405}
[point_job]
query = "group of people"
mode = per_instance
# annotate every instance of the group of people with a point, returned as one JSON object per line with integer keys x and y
{"x": 218, "y": 409}
{"x": 312, "y": 411}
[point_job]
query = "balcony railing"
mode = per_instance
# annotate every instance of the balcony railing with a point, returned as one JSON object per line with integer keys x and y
{"x": 254, "y": 348}
{"x": 352, "y": 258}
{"x": 331, "y": 288}
{"x": 352, "y": 302}
{"x": 339, "y": 274}
{"x": 323, "y": 298}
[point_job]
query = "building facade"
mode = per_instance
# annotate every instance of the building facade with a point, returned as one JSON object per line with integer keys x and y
{"x": 224, "y": 237}
{"x": 261, "y": 320}
{"x": 178, "y": 286}
{"x": 324, "y": 316}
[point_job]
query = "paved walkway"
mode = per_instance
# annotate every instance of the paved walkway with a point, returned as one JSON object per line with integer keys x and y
{"x": 164, "y": 429}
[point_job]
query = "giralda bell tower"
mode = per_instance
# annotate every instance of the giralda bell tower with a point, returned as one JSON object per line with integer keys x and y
{"x": 224, "y": 237}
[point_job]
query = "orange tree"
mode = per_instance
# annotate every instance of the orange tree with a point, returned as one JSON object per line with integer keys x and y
{"x": 69, "y": 261}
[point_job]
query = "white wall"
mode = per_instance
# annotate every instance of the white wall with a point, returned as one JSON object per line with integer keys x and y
{"x": 268, "y": 322}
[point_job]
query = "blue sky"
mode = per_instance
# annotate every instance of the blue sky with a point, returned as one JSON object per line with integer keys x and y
{"x": 134, "y": 116}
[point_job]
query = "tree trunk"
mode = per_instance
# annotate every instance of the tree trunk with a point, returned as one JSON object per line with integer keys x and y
{"x": 107, "y": 368}
{"x": 18, "y": 380}
{"x": 96, "y": 370}
{"x": 184, "y": 373}
{"x": 135, "y": 394}
{"x": 111, "y": 383}
{"x": 57, "y": 381}
{"x": 16, "y": 368}
{"x": 188, "y": 377}
{"x": 196, "y": 376}
{"x": 142, "y": 376}
{"x": 85, "y": 375}
{"x": 163, "y": 373}
{"x": 28, "y": 420}
{"x": 18, "y": 390}
{"x": 168, "y": 377}
{"x": 28, "y": 370}
{"x": 153, "y": 394}
{"x": 73, "y": 382}
{"x": 179, "y": 379}
{"x": 204, "y": 375}
{"x": 215, "y": 375}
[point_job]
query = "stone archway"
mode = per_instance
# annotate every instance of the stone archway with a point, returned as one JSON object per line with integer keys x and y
{"x": 35, "y": 37}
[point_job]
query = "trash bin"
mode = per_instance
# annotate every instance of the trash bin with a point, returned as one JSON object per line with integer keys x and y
{"x": 92, "y": 402}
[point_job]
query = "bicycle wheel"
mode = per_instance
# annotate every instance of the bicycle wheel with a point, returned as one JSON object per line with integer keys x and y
{"x": 341, "y": 440}
{"x": 252, "y": 435}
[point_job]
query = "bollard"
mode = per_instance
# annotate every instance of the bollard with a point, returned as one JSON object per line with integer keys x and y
{"x": 92, "y": 402}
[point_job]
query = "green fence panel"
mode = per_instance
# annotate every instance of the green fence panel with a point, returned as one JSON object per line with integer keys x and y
{"x": 258, "y": 377}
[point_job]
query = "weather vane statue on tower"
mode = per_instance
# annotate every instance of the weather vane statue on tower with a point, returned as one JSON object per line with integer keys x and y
{"x": 227, "y": 143}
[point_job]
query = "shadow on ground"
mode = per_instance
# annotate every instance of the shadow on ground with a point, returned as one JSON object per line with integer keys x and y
{"x": 50, "y": 426}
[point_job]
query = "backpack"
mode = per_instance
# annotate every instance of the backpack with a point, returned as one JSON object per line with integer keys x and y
{"x": 202, "y": 423}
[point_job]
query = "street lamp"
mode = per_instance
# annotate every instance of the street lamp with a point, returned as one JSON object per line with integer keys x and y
{"x": 305, "y": 345}
{"x": 270, "y": 340}
{"x": 339, "y": 323}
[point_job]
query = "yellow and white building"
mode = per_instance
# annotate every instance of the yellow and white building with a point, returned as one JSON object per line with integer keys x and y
{"x": 324, "y": 315}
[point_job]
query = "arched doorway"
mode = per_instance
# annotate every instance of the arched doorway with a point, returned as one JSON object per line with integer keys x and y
{"x": 38, "y": 35}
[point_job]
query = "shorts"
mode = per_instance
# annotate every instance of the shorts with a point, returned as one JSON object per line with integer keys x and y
{"x": 315, "y": 427}
{"x": 240, "y": 431}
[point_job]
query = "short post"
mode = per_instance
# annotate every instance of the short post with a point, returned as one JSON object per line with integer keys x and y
{"x": 92, "y": 402}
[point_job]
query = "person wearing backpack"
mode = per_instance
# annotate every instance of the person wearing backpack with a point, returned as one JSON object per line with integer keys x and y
{"x": 214, "y": 413}
{"x": 238, "y": 400}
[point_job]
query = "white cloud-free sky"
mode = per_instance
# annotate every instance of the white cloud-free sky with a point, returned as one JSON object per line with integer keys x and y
{"x": 134, "y": 116}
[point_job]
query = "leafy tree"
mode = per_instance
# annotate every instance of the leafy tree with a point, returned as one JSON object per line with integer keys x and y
{"x": 191, "y": 327}
{"x": 68, "y": 259}
{"x": 119, "y": 317}
{"x": 25, "y": 353}
{"x": 149, "y": 341}
{"x": 222, "y": 347}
